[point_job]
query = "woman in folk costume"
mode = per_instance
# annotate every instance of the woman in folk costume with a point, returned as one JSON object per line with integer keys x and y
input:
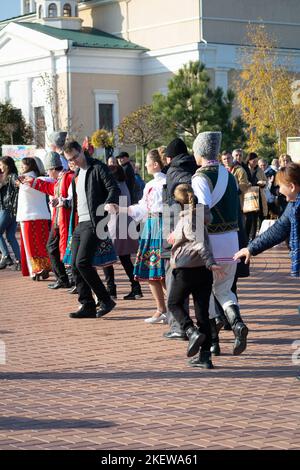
{"x": 149, "y": 266}
{"x": 124, "y": 244}
{"x": 58, "y": 189}
{"x": 33, "y": 215}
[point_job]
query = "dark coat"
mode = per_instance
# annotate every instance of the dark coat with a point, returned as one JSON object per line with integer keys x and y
{"x": 130, "y": 180}
{"x": 181, "y": 170}
{"x": 101, "y": 188}
{"x": 275, "y": 234}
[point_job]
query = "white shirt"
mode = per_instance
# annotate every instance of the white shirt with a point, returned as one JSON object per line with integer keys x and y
{"x": 224, "y": 245}
{"x": 82, "y": 205}
{"x": 152, "y": 201}
{"x": 32, "y": 204}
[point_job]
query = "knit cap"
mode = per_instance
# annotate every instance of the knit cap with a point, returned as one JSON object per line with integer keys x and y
{"x": 52, "y": 160}
{"x": 176, "y": 147}
{"x": 58, "y": 138}
{"x": 207, "y": 145}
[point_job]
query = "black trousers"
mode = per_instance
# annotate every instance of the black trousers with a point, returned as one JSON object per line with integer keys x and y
{"x": 84, "y": 244}
{"x": 58, "y": 266}
{"x": 198, "y": 282}
{"x": 128, "y": 268}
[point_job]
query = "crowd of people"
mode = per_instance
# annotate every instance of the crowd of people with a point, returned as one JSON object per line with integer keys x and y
{"x": 191, "y": 230}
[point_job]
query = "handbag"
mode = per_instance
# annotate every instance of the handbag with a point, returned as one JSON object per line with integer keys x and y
{"x": 251, "y": 200}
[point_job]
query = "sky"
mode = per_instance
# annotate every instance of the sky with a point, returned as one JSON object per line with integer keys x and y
{"x": 10, "y": 8}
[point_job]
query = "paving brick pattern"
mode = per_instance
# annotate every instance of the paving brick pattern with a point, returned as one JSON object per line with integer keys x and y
{"x": 116, "y": 383}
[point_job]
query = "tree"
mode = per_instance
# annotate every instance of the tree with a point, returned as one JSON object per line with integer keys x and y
{"x": 191, "y": 106}
{"x": 13, "y": 127}
{"x": 265, "y": 92}
{"x": 142, "y": 127}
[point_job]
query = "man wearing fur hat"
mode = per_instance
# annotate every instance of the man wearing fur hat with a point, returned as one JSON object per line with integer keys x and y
{"x": 215, "y": 187}
{"x": 57, "y": 142}
{"x": 58, "y": 237}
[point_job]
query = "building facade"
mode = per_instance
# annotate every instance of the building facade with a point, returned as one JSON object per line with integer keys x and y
{"x": 81, "y": 65}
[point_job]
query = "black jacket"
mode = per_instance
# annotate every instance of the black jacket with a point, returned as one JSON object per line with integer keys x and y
{"x": 130, "y": 180}
{"x": 100, "y": 186}
{"x": 181, "y": 170}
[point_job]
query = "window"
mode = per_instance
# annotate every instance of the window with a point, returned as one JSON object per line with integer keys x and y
{"x": 106, "y": 109}
{"x": 106, "y": 116}
{"x": 52, "y": 11}
{"x": 40, "y": 11}
{"x": 39, "y": 126}
{"x": 67, "y": 9}
{"x": 26, "y": 7}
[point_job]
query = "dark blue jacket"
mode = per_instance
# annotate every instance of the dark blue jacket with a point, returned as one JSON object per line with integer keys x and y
{"x": 276, "y": 234}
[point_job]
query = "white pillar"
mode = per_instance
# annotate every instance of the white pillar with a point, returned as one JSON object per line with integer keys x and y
{"x": 22, "y": 7}
{"x": 221, "y": 78}
{"x": 6, "y": 90}
{"x": 27, "y": 87}
{"x": 32, "y": 6}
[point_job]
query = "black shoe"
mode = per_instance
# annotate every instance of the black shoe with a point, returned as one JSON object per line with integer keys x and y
{"x": 6, "y": 261}
{"x": 59, "y": 285}
{"x": 44, "y": 274}
{"x": 135, "y": 293}
{"x": 175, "y": 335}
{"x": 240, "y": 332}
{"x": 219, "y": 323}
{"x": 203, "y": 361}
{"x": 105, "y": 307}
{"x": 215, "y": 349}
{"x": 73, "y": 290}
{"x": 196, "y": 338}
{"x": 85, "y": 311}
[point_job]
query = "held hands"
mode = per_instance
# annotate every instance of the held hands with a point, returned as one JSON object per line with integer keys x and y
{"x": 57, "y": 202}
{"x": 218, "y": 271}
{"x": 171, "y": 239}
{"x": 111, "y": 208}
{"x": 243, "y": 253}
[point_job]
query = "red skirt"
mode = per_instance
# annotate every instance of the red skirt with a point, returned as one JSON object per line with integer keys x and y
{"x": 34, "y": 256}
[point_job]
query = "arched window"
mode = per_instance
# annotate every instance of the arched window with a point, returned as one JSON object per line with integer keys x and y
{"x": 52, "y": 11}
{"x": 67, "y": 9}
{"x": 40, "y": 11}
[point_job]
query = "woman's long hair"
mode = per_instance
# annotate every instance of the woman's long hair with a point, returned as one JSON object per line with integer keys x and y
{"x": 9, "y": 167}
{"x": 31, "y": 165}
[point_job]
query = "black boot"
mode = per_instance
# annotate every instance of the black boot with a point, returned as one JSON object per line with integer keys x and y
{"x": 239, "y": 328}
{"x": 215, "y": 347}
{"x": 196, "y": 338}
{"x": 6, "y": 261}
{"x": 112, "y": 290}
{"x": 135, "y": 293}
{"x": 203, "y": 361}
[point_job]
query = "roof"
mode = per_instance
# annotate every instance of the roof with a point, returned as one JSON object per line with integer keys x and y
{"x": 86, "y": 37}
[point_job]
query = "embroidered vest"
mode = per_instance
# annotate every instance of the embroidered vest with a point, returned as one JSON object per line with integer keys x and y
{"x": 225, "y": 212}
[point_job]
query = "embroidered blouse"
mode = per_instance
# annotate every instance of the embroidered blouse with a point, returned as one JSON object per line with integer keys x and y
{"x": 152, "y": 201}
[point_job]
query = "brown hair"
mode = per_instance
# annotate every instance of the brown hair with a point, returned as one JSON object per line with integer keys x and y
{"x": 289, "y": 174}
{"x": 184, "y": 194}
{"x": 31, "y": 165}
{"x": 155, "y": 157}
{"x": 162, "y": 152}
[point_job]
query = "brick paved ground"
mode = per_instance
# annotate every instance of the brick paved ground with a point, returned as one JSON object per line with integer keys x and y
{"x": 115, "y": 383}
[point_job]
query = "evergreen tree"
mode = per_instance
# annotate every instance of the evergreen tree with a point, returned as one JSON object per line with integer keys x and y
{"x": 13, "y": 127}
{"x": 191, "y": 106}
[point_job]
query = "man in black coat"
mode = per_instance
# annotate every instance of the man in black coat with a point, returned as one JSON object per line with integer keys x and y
{"x": 124, "y": 161}
{"x": 182, "y": 167}
{"x": 93, "y": 189}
